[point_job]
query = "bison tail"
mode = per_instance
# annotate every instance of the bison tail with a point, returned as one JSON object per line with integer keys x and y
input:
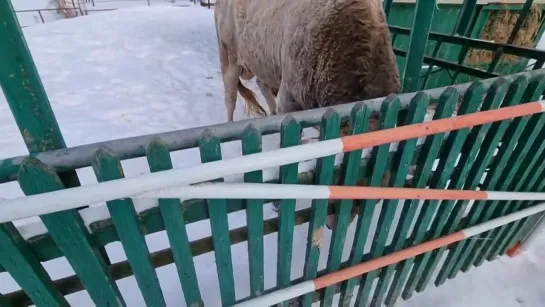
{"x": 252, "y": 106}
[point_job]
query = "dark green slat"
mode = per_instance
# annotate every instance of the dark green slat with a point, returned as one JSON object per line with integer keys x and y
{"x": 513, "y": 228}
{"x": 464, "y": 17}
{"x": 401, "y": 164}
{"x": 505, "y": 232}
{"x": 510, "y": 231}
{"x": 387, "y": 5}
{"x": 423, "y": 15}
{"x": 523, "y": 229}
{"x": 422, "y": 174}
{"x": 445, "y": 167}
{"x": 159, "y": 160}
{"x": 108, "y": 167}
{"x": 497, "y": 169}
{"x": 518, "y": 134}
{"x": 17, "y": 258}
{"x": 448, "y": 214}
{"x": 4, "y": 302}
{"x": 376, "y": 169}
{"x": 210, "y": 150}
{"x": 472, "y": 147}
{"x": 251, "y": 143}
{"x": 530, "y": 170}
{"x": 69, "y": 233}
{"x": 388, "y": 208}
{"x": 379, "y": 158}
{"x": 290, "y": 135}
{"x": 329, "y": 129}
{"x": 359, "y": 119}
{"x": 497, "y": 131}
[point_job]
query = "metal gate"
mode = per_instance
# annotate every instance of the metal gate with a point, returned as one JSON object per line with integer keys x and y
{"x": 469, "y": 158}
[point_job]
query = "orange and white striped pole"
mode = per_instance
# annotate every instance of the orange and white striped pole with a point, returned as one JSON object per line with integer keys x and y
{"x": 130, "y": 187}
{"x": 218, "y": 190}
{"x": 384, "y": 261}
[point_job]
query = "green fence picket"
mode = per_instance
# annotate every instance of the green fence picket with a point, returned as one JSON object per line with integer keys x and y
{"x": 447, "y": 213}
{"x": 482, "y": 211}
{"x": 171, "y": 211}
{"x": 359, "y": 119}
{"x": 422, "y": 174}
{"x": 21, "y": 263}
{"x": 535, "y": 185}
{"x": 512, "y": 230}
{"x": 448, "y": 156}
{"x": 513, "y": 137}
{"x": 290, "y": 135}
{"x": 69, "y": 233}
{"x": 514, "y": 163}
{"x": 461, "y": 179}
{"x": 401, "y": 161}
{"x": 530, "y": 144}
{"x": 251, "y": 143}
{"x": 403, "y": 158}
{"x": 458, "y": 254}
{"x": 210, "y": 150}
{"x": 329, "y": 129}
{"x": 108, "y": 167}
{"x": 418, "y": 40}
{"x": 375, "y": 170}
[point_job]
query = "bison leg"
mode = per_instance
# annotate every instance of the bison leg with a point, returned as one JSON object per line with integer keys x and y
{"x": 284, "y": 100}
{"x": 230, "y": 81}
{"x": 230, "y": 74}
{"x": 269, "y": 97}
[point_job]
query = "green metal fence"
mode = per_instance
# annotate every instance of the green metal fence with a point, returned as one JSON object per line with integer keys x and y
{"x": 462, "y": 158}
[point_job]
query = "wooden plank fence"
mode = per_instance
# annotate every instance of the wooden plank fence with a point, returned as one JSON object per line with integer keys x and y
{"x": 506, "y": 155}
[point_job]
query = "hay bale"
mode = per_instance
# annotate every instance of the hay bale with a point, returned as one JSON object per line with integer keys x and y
{"x": 498, "y": 29}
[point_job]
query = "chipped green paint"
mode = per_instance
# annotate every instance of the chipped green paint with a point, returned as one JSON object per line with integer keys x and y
{"x": 23, "y": 88}
{"x": 422, "y": 175}
{"x": 376, "y": 170}
{"x": 21, "y": 263}
{"x": 359, "y": 120}
{"x": 400, "y": 167}
{"x": 514, "y": 133}
{"x": 513, "y": 97}
{"x": 447, "y": 159}
{"x": 473, "y": 145}
{"x": 490, "y": 143}
{"x": 69, "y": 233}
{"x": 251, "y": 143}
{"x": 171, "y": 212}
{"x": 210, "y": 150}
{"x": 329, "y": 129}
{"x": 108, "y": 167}
{"x": 389, "y": 116}
{"x": 447, "y": 213}
{"x": 289, "y": 136}
{"x": 528, "y": 143}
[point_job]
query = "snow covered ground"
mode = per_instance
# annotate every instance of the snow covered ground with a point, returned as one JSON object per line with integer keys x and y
{"x": 147, "y": 70}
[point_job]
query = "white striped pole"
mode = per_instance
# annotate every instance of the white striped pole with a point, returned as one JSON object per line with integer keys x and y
{"x": 128, "y": 187}
{"x": 219, "y": 190}
{"x": 375, "y": 264}
{"x": 212, "y": 190}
